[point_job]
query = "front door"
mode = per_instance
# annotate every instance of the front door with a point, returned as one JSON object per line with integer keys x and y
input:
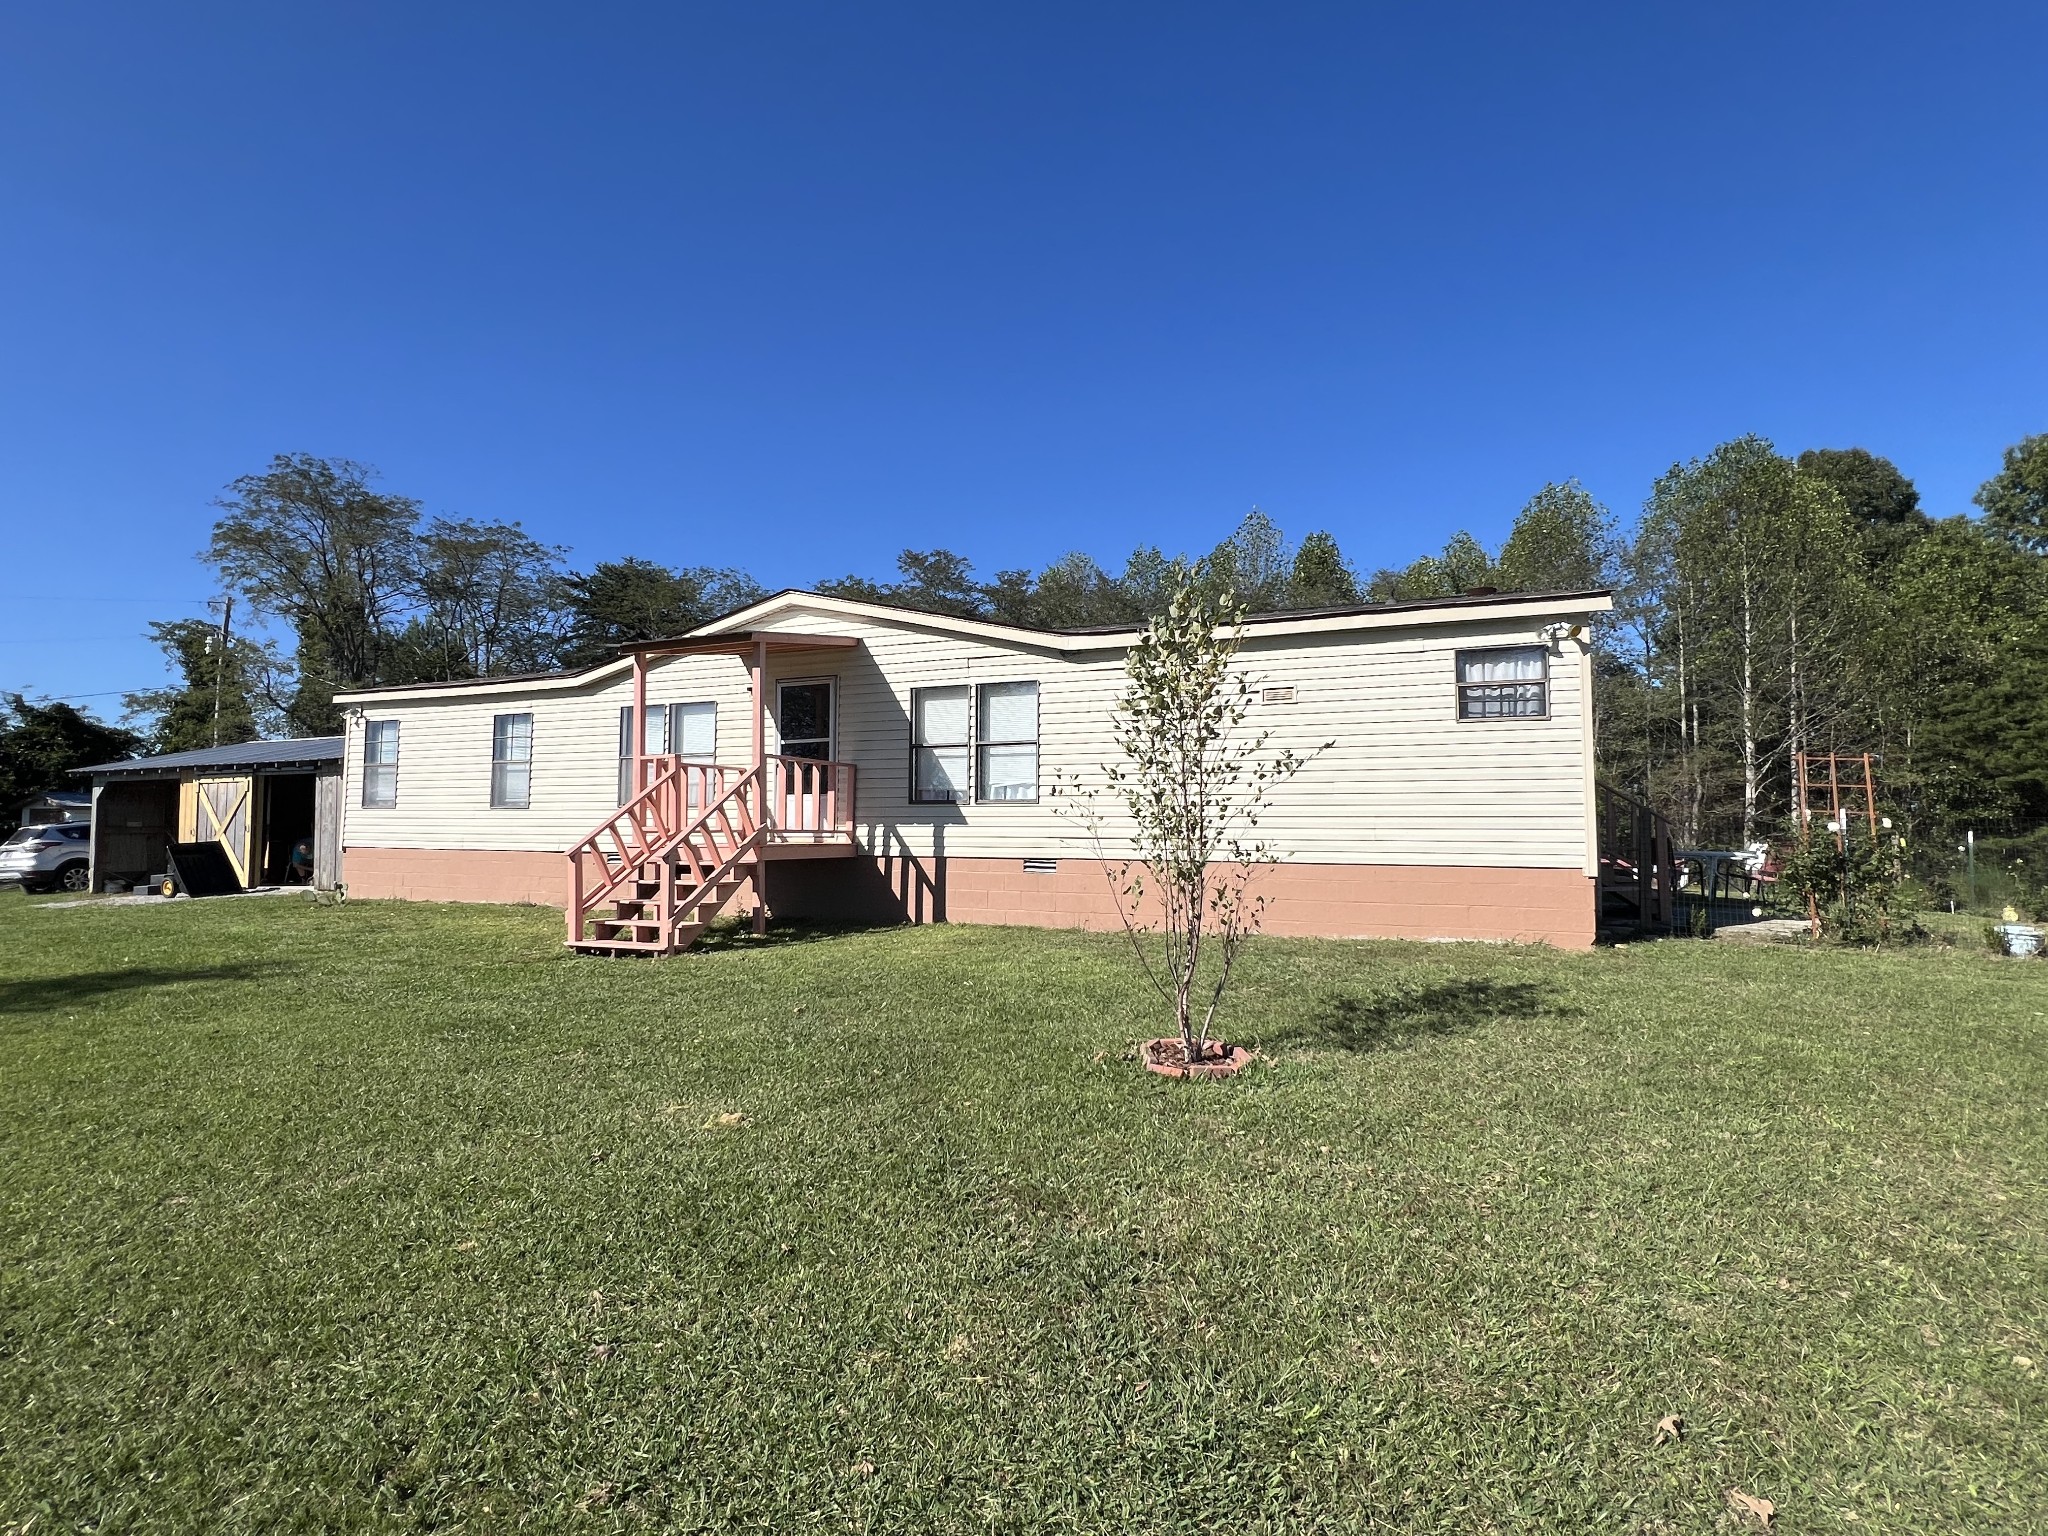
{"x": 803, "y": 718}
{"x": 803, "y": 728}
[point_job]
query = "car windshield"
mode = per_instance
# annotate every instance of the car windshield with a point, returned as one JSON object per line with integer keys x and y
{"x": 25, "y": 835}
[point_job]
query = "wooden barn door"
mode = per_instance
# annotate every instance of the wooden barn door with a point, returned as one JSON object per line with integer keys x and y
{"x": 224, "y": 810}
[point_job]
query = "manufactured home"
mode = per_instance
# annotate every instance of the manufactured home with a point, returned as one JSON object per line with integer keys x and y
{"x": 820, "y": 758}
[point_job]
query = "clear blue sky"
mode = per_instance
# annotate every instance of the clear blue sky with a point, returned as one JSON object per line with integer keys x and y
{"x": 790, "y": 287}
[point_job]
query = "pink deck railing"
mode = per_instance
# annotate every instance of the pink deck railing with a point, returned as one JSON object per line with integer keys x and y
{"x": 704, "y": 811}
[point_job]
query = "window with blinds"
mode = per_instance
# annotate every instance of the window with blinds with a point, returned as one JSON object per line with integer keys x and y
{"x": 511, "y": 761}
{"x": 1511, "y": 683}
{"x": 939, "y": 745}
{"x": 1006, "y": 736}
{"x": 688, "y": 731}
{"x": 380, "y": 764}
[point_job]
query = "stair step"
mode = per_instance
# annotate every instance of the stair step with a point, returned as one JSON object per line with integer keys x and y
{"x": 615, "y": 947}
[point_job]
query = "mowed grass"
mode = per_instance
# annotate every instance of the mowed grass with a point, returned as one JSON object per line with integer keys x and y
{"x": 397, "y": 1216}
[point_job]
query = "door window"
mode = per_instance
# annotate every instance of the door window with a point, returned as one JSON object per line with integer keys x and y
{"x": 803, "y": 719}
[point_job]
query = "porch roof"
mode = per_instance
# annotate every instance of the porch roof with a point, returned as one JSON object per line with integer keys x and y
{"x": 739, "y": 642}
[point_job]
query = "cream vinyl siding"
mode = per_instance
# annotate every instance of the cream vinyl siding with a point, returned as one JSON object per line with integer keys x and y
{"x": 1406, "y": 781}
{"x": 444, "y": 760}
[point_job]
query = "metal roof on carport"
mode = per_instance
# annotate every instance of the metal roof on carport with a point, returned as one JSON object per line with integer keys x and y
{"x": 243, "y": 756}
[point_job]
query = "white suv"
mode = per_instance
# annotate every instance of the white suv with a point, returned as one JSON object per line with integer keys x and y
{"x": 56, "y": 857}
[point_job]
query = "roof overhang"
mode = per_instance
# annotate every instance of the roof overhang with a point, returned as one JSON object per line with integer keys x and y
{"x": 740, "y": 642}
{"x": 1486, "y": 608}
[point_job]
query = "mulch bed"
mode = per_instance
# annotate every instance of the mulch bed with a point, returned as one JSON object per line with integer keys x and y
{"x": 1168, "y": 1059}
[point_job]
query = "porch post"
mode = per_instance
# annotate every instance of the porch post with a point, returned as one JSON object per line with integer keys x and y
{"x": 761, "y": 768}
{"x": 639, "y": 742}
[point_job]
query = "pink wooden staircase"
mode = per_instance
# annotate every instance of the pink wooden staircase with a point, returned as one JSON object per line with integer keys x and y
{"x": 653, "y": 875}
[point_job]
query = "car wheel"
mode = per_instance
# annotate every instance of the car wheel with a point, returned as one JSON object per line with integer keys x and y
{"x": 75, "y": 877}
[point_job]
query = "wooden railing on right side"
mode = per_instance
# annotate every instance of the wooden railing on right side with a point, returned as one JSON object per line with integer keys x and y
{"x": 810, "y": 795}
{"x": 1636, "y": 858}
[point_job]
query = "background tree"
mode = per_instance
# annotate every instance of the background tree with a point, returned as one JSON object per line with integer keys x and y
{"x": 1463, "y": 565}
{"x": 1883, "y": 504}
{"x": 221, "y": 696}
{"x": 931, "y": 581}
{"x": 618, "y": 602}
{"x": 1190, "y": 788}
{"x": 41, "y": 743}
{"x": 309, "y": 542}
{"x": 1251, "y": 566}
{"x": 2015, "y": 500}
{"x": 1562, "y": 541}
{"x": 1319, "y": 576}
{"x": 490, "y": 593}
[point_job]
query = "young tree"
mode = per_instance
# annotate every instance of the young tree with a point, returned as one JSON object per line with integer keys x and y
{"x": 308, "y": 541}
{"x": 1187, "y": 797}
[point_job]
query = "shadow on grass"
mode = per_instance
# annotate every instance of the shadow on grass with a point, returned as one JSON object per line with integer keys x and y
{"x": 1348, "y": 1021}
{"x": 42, "y": 994}
{"x": 738, "y": 933}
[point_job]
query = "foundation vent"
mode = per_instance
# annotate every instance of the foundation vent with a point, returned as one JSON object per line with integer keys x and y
{"x": 1041, "y": 866}
{"x": 1282, "y": 695}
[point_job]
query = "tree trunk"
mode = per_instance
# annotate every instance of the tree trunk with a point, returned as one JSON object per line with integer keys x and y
{"x": 1748, "y": 709}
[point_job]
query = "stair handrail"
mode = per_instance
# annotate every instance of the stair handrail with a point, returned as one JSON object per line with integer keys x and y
{"x": 657, "y": 810}
{"x": 643, "y": 828}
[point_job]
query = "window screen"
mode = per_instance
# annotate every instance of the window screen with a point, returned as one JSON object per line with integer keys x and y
{"x": 939, "y": 749}
{"x": 380, "y": 764}
{"x": 655, "y": 744}
{"x": 1510, "y": 683}
{"x": 1006, "y": 727}
{"x": 511, "y": 760}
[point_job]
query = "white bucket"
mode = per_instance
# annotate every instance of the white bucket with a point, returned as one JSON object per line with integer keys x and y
{"x": 2020, "y": 938}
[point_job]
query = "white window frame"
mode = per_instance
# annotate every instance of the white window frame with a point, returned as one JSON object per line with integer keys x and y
{"x": 831, "y": 737}
{"x": 978, "y": 772}
{"x": 500, "y": 800}
{"x": 373, "y": 732}
{"x": 964, "y": 745}
{"x": 1460, "y": 686}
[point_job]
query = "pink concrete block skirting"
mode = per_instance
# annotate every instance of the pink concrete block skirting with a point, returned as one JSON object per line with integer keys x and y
{"x": 1335, "y": 901}
{"x": 455, "y": 874}
{"x": 1332, "y": 901}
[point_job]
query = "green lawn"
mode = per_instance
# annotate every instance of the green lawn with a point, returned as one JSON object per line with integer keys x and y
{"x": 323, "y": 1218}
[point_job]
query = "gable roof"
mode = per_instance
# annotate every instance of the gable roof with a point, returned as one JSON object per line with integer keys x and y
{"x": 743, "y": 622}
{"x": 1362, "y": 616}
{"x": 302, "y": 752}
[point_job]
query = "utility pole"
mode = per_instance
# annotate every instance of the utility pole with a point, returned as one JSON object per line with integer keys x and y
{"x": 220, "y": 658}
{"x": 1970, "y": 862}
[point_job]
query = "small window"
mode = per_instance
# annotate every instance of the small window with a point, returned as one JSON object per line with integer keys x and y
{"x": 380, "y": 764}
{"x": 688, "y": 731}
{"x": 654, "y": 745}
{"x": 939, "y": 746}
{"x": 693, "y": 732}
{"x": 1507, "y": 684}
{"x": 511, "y": 761}
{"x": 1006, "y": 762}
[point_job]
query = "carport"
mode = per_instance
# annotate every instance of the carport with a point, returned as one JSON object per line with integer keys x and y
{"x": 255, "y": 798}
